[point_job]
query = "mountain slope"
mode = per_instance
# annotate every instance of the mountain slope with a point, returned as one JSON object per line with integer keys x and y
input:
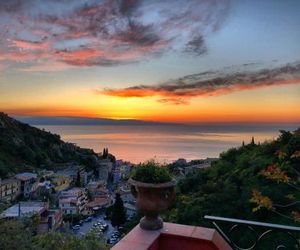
{"x": 23, "y": 147}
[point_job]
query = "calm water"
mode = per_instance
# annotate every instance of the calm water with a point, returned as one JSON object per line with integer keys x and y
{"x": 164, "y": 143}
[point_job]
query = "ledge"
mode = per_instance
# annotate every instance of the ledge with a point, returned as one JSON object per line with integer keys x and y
{"x": 173, "y": 236}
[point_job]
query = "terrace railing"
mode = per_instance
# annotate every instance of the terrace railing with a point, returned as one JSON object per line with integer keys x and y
{"x": 250, "y": 235}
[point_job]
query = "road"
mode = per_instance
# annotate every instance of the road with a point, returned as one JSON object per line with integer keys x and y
{"x": 87, "y": 226}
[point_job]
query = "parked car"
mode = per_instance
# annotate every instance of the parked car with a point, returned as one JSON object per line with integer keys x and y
{"x": 88, "y": 219}
{"x": 113, "y": 240}
{"x": 76, "y": 227}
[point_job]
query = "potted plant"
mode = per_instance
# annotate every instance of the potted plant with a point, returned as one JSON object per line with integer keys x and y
{"x": 154, "y": 189}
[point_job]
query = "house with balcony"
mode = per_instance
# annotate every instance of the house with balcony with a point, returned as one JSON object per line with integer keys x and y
{"x": 29, "y": 183}
{"x": 51, "y": 221}
{"x": 10, "y": 189}
{"x": 73, "y": 201}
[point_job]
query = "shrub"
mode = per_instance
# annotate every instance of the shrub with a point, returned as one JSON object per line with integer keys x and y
{"x": 151, "y": 172}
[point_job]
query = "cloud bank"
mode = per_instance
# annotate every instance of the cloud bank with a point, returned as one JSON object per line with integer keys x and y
{"x": 104, "y": 33}
{"x": 179, "y": 91}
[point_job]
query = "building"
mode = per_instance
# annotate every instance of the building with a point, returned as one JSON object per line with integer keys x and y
{"x": 10, "y": 189}
{"x": 73, "y": 201}
{"x": 125, "y": 170}
{"x": 49, "y": 220}
{"x": 97, "y": 204}
{"x": 29, "y": 182}
{"x": 104, "y": 169}
{"x": 61, "y": 182}
{"x": 130, "y": 209}
{"x": 126, "y": 194}
{"x": 97, "y": 189}
{"x": 206, "y": 163}
{"x": 25, "y": 209}
{"x": 116, "y": 176}
{"x": 71, "y": 172}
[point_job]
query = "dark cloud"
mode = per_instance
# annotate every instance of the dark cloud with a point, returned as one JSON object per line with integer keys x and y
{"x": 196, "y": 46}
{"x": 173, "y": 101}
{"x": 179, "y": 91}
{"x": 11, "y": 6}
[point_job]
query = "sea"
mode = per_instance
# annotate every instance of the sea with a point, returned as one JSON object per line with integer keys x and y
{"x": 166, "y": 143}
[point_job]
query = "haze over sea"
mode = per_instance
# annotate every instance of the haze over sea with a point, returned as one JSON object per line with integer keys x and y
{"x": 166, "y": 143}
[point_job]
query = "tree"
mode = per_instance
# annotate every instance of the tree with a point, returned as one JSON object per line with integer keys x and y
{"x": 105, "y": 153}
{"x": 118, "y": 213}
{"x": 14, "y": 235}
{"x": 78, "y": 180}
{"x": 56, "y": 241}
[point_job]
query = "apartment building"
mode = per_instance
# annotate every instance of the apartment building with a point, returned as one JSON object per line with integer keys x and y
{"x": 10, "y": 189}
{"x": 73, "y": 201}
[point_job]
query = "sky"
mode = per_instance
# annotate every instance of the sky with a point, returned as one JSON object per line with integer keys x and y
{"x": 186, "y": 61}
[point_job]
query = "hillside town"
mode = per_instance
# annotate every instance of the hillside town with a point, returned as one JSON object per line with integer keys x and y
{"x": 58, "y": 198}
{"x": 74, "y": 199}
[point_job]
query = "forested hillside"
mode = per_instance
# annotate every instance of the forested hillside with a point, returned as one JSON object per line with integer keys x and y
{"x": 23, "y": 147}
{"x": 255, "y": 182}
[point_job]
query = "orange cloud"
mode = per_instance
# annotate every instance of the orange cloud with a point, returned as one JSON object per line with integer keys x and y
{"x": 29, "y": 45}
{"x": 211, "y": 84}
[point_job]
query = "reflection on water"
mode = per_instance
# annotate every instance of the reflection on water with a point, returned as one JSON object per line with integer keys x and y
{"x": 164, "y": 143}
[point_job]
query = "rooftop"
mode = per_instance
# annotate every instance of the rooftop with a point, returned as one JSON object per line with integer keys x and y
{"x": 26, "y": 176}
{"x": 72, "y": 192}
{"x": 7, "y": 181}
{"x": 26, "y": 209}
{"x": 173, "y": 236}
{"x": 98, "y": 202}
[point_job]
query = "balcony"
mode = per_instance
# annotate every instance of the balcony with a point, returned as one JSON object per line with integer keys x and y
{"x": 177, "y": 237}
{"x": 173, "y": 236}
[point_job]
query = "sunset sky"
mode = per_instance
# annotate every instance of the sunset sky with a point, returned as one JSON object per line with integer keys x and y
{"x": 188, "y": 61}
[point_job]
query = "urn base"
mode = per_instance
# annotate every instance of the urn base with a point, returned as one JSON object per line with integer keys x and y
{"x": 148, "y": 223}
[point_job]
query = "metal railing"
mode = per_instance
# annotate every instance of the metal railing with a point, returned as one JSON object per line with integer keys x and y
{"x": 258, "y": 235}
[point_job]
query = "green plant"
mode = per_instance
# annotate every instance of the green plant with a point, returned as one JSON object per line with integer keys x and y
{"x": 151, "y": 172}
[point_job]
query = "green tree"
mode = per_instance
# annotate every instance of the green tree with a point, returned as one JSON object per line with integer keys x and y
{"x": 118, "y": 213}
{"x": 58, "y": 241}
{"x": 78, "y": 180}
{"x": 14, "y": 235}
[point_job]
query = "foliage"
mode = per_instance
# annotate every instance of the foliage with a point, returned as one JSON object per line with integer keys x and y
{"x": 78, "y": 180}
{"x": 118, "y": 216}
{"x": 17, "y": 235}
{"x": 151, "y": 172}
{"x": 257, "y": 182}
{"x": 261, "y": 201}
{"x": 57, "y": 241}
{"x": 14, "y": 235}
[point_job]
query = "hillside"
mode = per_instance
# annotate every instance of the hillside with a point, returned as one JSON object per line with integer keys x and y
{"x": 258, "y": 182}
{"x": 23, "y": 147}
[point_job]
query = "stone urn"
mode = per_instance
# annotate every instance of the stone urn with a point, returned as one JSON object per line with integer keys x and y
{"x": 152, "y": 199}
